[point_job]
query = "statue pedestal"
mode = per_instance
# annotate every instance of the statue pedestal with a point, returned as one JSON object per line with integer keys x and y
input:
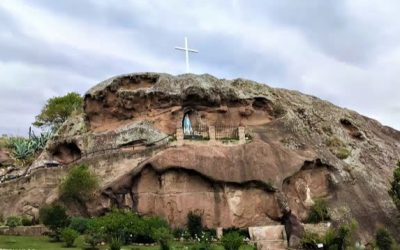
{"x": 179, "y": 136}
{"x": 242, "y": 135}
{"x": 211, "y": 133}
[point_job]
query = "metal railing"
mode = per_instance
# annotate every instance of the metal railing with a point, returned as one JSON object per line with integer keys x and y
{"x": 224, "y": 132}
{"x": 199, "y": 132}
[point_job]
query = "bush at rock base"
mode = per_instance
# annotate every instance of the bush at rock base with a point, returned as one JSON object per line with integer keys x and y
{"x": 13, "y": 221}
{"x": 318, "y": 212}
{"x": 242, "y": 232}
{"x": 125, "y": 225}
{"x": 79, "y": 224}
{"x": 339, "y": 238}
{"x": 55, "y": 218}
{"x": 27, "y": 221}
{"x": 163, "y": 236}
{"x": 79, "y": 184}
{"x": 94, "y": 234}
{"x": 69, "y": 235}
{"x": 203, "y": 242}
{"x": 232, "y": 241}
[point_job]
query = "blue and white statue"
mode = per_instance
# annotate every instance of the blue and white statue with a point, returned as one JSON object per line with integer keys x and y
{"x": 187, "y": 125}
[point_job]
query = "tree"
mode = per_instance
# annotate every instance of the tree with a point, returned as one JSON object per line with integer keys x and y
{"x": 55, "y": 218}
{"x": 395, "y": 186}
{"x": 57, "y": 110}
{"x": 79, "y": 184}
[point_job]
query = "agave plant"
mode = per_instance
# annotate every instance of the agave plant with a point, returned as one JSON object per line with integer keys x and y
{"x": 22, "y": 148}
{"x": 39, "y": 142}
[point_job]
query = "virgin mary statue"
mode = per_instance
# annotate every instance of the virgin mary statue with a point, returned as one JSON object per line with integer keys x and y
{"x": 187, "y": 125}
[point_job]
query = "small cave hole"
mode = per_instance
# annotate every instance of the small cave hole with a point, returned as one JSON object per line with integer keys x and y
{"x": 260, "y": 103}
{"x": 66, "y": 153}
{"x": 353, "y": 131}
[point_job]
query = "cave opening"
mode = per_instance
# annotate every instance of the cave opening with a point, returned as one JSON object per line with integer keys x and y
{"x": 66, "y": 152}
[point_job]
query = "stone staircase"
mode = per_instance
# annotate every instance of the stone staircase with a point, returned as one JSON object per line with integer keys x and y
{"x": 271, "y": 237}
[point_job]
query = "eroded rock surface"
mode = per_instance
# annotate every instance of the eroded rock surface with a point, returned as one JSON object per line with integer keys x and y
{"x": 298, "y": 149}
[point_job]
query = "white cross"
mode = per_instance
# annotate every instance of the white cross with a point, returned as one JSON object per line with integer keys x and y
{"x": 187, "y": 50}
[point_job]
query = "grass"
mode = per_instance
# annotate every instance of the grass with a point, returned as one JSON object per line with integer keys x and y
{"x": 43, "y": 242}
{"x": 38, "y": 242}
{"x": 338, "y": 148}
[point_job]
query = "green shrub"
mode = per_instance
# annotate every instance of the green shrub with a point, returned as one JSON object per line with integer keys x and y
{"x": 69, "y": 235}
{"x": 310, "y": 240}
{"x": 163, "y": 236}
{"x": 339, "y": 238}
{"x": 210, "y": 231}
{"x": 79, "y": 184}
{"x": 4, "y": 141}
{"x": 383, "y": 239}
{"x": 127, "y": 226}
{"x": 232, "y": 241}
{"x": 342, "y": 153}
{"x": 115, "y": 224}
{"x": 318, "y": 212}
{"x": 79, "y": 224}
{"x": 203, "y": 242}
{"x": 343, "y": 236}
{"x": 55, "y": 218}
{"x": 150, "y": 224}
{"x": 178, "y": 233}
{"x": 338, "y": 147}
{"x": 26, "y": 221}
{"x": 194, "y": 224}
{"x": 94, "y": 233}
{"x": 115, "y": 243}
{"x": 13, "y": 221}
{"x": 242, "y": 232}
{"x": 334, "y": 142}
{"x": 278, "y": 110}
{"x": 395, "y": 186}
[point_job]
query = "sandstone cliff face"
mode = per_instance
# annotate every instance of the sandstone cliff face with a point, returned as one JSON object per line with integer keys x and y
{"x": 298, "y": 149}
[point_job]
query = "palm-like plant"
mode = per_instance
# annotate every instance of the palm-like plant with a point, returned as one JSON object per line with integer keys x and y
{"x": 22, "y": 149}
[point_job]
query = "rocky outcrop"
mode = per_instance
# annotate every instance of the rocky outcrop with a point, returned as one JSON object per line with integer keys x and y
{"x": 5, "y": 159}
{"x": 298, "y": 149}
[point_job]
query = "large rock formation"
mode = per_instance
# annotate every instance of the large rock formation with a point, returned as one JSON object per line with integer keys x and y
{"x": 298, "y": 148}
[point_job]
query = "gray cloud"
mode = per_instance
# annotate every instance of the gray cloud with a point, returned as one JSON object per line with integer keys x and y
{"x": 344, "y": 51}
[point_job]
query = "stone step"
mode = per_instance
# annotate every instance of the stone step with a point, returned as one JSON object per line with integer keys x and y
{"x": 270, "y": 237}
{"x": 271, "y": 245}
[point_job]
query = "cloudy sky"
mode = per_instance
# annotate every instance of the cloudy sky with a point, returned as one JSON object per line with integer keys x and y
{"x": 347, "y": 52}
